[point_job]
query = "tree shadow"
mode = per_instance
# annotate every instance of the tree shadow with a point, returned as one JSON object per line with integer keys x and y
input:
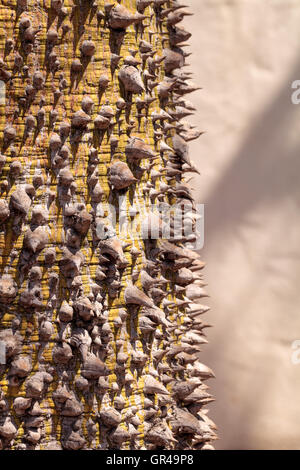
{"x": 264, "y": 171}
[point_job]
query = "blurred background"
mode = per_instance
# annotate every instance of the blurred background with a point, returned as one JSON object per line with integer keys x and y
{"x": 246, "y": 54}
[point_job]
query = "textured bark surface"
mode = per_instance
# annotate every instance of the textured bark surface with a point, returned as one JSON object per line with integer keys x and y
{"x": 101, "y": 329}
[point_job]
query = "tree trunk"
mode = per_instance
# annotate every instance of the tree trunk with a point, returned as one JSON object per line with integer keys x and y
{"x": 98, "y": 291}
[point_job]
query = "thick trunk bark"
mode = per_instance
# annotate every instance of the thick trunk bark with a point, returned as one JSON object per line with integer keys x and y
{"x": 98, "y": 317}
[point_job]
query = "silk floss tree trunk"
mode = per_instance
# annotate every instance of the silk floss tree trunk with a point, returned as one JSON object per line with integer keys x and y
{"x": 100, "y": 324}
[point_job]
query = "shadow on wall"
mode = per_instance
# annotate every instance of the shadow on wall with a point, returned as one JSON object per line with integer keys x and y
{"x": 265, "y": 171}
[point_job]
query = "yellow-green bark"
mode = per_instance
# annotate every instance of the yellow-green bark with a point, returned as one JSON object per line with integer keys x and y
{"x": 50, "y": 200}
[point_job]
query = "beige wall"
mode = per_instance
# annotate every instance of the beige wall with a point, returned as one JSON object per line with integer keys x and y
{"x": 246, "y": 54}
